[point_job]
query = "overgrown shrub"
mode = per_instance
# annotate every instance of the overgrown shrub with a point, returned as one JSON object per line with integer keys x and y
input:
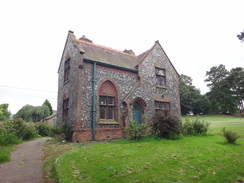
{"x": 195, "y": 127}
{"x": 64, "y": 132}
{"x": 28, "y": 132}
{"x": 23, "y": 130}
{"x": 7, "y": 137}
{"x": 136, "y": 131}
{"x": 166, "y": 125}
{"x": 230, "y": 136}
{"x": 67, "y": 131}
{"x": 44, "y": 129}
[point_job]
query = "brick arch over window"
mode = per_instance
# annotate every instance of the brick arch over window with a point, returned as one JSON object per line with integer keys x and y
{"x": 108, "y": 101}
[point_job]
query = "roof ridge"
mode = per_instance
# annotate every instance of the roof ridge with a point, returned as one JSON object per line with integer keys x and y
{"x": 105, "y": 47}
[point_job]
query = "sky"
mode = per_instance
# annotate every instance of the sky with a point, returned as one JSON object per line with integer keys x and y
{"x": 195, "y": 34}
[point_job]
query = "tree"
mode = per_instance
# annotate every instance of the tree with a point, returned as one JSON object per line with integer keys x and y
{"x": 190, "y": 98}
{"x": 4, "y": 113}
{"x": 226, "y": 89}
{"x": 236, "y": 80}
{"x": 215, "y": 75}
{"x": 30, "y": 113}
{"x": 241, "y": 36}
{"x": 47, "y": 103}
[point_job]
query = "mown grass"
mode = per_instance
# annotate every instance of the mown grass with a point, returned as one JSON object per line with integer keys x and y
{"x": 190, "y": 159}
{"x": 218, "y": 122}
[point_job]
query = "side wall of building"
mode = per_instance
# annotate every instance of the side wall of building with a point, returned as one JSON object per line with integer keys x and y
{"x": 68, "y": 90}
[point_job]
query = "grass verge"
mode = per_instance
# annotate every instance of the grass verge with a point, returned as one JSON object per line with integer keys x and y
{"x": 53, "y": 149}
{"x": 5, "y": 153}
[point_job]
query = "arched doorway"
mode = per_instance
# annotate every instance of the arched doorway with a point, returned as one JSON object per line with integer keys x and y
{"x": 137, "y": 113}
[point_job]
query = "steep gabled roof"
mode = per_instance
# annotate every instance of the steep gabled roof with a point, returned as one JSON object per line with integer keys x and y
{"x": 144, "y": 55}
{"x": 106, "y": 55}
{"x": 110, "y": 56}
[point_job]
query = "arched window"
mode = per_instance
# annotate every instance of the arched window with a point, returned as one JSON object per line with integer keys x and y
{"x": 107, "y": 101}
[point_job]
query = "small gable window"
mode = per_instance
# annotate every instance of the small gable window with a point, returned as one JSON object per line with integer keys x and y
{"x": 65, "y": 109}
{"x": 160, "y": 77}
{"x": 162, "y": 106}
{"x": 66, "y": 70}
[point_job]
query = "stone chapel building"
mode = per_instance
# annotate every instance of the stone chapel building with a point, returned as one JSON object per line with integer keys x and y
{"x": 101, "y": 89}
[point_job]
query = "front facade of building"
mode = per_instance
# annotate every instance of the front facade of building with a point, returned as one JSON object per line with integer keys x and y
{"x": 102, "y": 89}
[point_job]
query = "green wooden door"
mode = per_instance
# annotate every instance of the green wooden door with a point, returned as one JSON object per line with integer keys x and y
{"x": 137, "y": 113}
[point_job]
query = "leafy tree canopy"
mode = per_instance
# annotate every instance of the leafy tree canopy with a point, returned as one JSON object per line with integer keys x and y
{"x": 4, "y": 113}
{"x": 31, "y": 113}
{"x": 47, "y": 103}
{"x": 226, "y": 89}
{"x": 190, "y": 98}
{"x": 215, "y": 75}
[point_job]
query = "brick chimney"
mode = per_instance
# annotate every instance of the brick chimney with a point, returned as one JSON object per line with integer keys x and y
{"x": 131, "y": 52}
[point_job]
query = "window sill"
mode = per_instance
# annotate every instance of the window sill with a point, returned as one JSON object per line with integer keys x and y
{"x": 108, "y": 122}
{"x": 158, "y": 86}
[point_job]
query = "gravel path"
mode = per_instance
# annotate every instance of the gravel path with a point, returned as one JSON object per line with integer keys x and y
{"x": 25, "y": 165}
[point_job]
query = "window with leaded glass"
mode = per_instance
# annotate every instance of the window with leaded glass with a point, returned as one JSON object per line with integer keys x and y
{"x": 107, "y": 107}
{"x": 65, "y": 109}
{"x": 162, "y": 106}
{"x": 66, "y": 70}
{"x": 160, "y": 76}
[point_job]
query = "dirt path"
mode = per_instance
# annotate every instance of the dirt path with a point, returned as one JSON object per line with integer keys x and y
{"x": 25, "y": 165}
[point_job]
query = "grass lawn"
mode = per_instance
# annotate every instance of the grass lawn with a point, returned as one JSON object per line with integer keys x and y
{"x": 218, "y": 122}
{"x": 190, "y": 159}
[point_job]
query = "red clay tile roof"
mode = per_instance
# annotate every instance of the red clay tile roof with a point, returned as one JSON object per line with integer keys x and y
{"x": 111, "y": 56}
{"x": 107, "y": 55}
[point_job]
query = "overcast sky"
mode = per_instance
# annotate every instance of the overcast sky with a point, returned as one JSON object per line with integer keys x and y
{"x": 195, "y": 34}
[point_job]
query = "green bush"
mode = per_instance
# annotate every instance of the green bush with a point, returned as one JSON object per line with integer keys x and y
{"x": 230, "y": 136}
{"x": 7, "y": 137}
{"x": 21, "y": 129}
{"x": 44, "y": 129}
{"x": 28, "y": 132}
{"x": 136, "y": 131}
{"x": 24, "y": 130}
{"x": 64, "y": 132}
{"x": 67, "y": 131}
{"x": 166, "y": 125}
{"x": 195, "y": 127}
{"x": 18, "y": 126}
